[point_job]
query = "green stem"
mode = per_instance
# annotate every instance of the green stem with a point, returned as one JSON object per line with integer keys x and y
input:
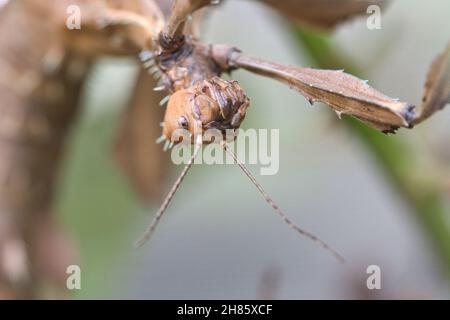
{"x": 422, "y": 192}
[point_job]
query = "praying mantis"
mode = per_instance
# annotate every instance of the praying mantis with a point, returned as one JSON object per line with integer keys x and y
{"x": 202, "y": 100}
{"x": 41, "y": 90}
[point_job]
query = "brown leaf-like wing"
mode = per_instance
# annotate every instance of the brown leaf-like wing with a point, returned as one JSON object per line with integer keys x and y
{"x": 323, "y": 14}
{"x": 437, "y": 87}
{"x": 343, "y": 92}
{"x": 136, "y": 152}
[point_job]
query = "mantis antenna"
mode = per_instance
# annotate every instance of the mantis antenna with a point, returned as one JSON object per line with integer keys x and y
{"x": 151, "y": 228}
{"x": 277, "y": 209}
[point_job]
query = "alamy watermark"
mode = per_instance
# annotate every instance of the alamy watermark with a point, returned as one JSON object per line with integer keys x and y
{"x": 251, "y": 146}
{"x": 73, "y": 21}
{"x": 374, "y": 20}
{"x": 374, "y": 279}
{"x": 73, "y": 281}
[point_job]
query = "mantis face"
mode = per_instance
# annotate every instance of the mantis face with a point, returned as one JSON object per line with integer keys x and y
{"x": 213, "y": 103}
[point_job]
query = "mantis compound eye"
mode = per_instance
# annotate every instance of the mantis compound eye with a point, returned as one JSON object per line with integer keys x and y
{"x": 183, "y": 122}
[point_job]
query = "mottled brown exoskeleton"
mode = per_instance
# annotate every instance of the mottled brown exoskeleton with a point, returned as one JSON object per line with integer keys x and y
{"x": 210, "y": 104}
{"x": 44, "y": 66}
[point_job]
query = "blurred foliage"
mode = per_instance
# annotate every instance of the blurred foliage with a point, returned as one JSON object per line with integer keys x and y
{"x": 397, "y": 159}
{"x": 95, "y": 203}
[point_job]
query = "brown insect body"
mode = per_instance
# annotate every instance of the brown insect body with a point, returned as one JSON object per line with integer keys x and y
{"x": 44, "y": 66}
{"x": 213, "y": 103}
{"x": 201, "y": 99}
{"x": 188, "y": 64}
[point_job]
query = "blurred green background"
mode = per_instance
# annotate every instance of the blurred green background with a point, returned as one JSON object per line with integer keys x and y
{"x": 371, "y": 197}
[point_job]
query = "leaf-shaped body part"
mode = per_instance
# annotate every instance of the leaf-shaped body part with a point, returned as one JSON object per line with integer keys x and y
{"x": 343, "y": 92}
{"x": 437, "y": 87}
{"x": 322, "y": 14}
{"x": 142, "y": 161}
